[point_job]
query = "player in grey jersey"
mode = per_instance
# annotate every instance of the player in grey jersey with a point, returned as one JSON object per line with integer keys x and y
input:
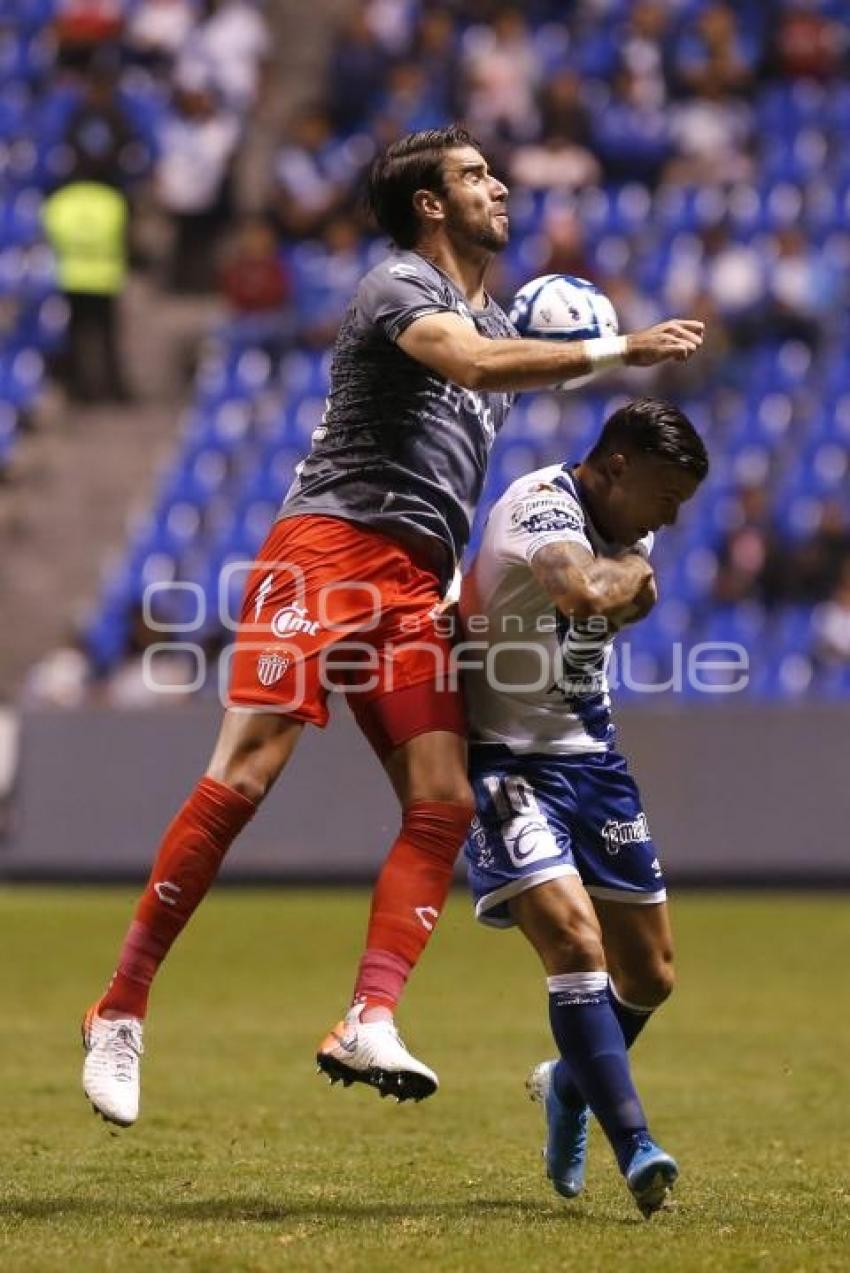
{"x": 560, "y": 845}
{"x": 422, "y": 377}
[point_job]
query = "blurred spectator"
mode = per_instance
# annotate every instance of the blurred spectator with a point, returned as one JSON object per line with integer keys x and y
{"x": 712, "y": 134}
{"x": 815, "y": 565}
{"x": 436, "y": 50}
{"x": 253, "y": 278}
{"x": 565, "y": 250}
{"x": 730, "y": 274}
{"x": 554, "y": 164}
{"x": 356, "y": 71}
{"x": 715, "y": 57}
{"x": 751, "y": 557}
{"x": 86, "y": 223}
{"x": 408, "y": 104}
{"x": 309, "y": 179}
{"x": 562, "y": 156}
{"x": 257, "y": 287}
{"x": 326, "y": 274}
{"x": 198, "y": 144}
{"x": 832, "y": 622}
{"x": 103, "y": 143}
{"x": 157, "y": 30}
{"x": 61, "y": 678}
{"x": 159, "y": 681}
{"x": 803, "y": 287}
{"x": 501, "y": 73}
{"x": 630, "y": 137}
{"x": 643, "y": 47}
{"x": 226, "y": 53}
{"x": 563, "y": 113}
{"x": 696, "y": 376}
{"x": 393, "y": 23}
{"x": 85, "y": 25}
{"x": 808, "y": 44}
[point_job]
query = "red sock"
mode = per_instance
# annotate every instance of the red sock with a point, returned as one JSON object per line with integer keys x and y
{"x": 191, "y": 852}
{"x": 408, "y": 897}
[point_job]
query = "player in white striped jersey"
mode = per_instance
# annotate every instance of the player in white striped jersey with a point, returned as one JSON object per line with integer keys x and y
{"x": 560, "y": 845}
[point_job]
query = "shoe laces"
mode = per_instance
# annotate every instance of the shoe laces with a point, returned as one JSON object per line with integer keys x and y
{"x": 125, "y": 1047}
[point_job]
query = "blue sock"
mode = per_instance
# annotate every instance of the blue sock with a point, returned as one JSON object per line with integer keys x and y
{"x": 632, "y": 1020}
{"x": 590, "y": 1040}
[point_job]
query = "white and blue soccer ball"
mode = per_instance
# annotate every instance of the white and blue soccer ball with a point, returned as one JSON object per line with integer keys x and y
{"x": 562, "y": 307}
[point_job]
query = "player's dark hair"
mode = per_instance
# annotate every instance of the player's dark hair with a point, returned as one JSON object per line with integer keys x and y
{"x": 412, "y": 163}
{"x": 656, "y": 428}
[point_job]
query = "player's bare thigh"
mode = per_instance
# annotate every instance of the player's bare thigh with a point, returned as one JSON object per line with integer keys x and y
{"x": 559, "y": 920}
{"x": 638, "y": 943}
{"x": 431, "y": 766}
{"x": 251, "y": 750}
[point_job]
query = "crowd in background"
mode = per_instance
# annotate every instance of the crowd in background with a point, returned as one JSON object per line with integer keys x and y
{"x": 688, "y": 155}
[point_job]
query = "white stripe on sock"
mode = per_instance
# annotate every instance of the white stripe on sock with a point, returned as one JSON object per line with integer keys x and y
{"x": 578, "y": 982}
{"x": 632, "y": 1007}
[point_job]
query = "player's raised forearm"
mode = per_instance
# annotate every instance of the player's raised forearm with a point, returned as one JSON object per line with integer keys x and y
{"x": 452, "y": 347}
{"x": 584, "y": 586}
{"x": 610, "y": 586}
{"x": 535, "y": 364}
{"x": 514, "y": 365}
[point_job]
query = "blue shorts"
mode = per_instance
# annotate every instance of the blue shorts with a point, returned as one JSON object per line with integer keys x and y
{"x": 539, "y": 817}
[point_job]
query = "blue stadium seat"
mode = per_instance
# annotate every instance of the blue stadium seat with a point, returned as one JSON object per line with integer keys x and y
{"x": 8, "y": 433}
{"x": 21, "y": 378}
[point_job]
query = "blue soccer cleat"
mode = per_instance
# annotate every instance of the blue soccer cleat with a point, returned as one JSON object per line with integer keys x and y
{"x": 565, "y": 1151}
{"x": 650, "y": 1175}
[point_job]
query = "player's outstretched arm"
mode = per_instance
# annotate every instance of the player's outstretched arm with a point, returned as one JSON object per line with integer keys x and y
{"x": 451, "y": 346}
{"x": 619, "y": 589}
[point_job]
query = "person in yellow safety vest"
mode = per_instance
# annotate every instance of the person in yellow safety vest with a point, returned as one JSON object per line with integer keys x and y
{"x": 86, "y": 226}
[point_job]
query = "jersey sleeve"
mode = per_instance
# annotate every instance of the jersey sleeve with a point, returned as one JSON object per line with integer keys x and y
{"x": 644, "y": 546}
{"x": 394, "y": 296}
{"x": 538, "y": 516}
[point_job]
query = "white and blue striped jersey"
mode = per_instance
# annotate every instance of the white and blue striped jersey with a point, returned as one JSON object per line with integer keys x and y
{"x": 535, "y": 681}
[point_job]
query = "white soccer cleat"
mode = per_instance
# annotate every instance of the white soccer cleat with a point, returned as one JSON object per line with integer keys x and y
{"x": 373, "y": 1052}
{"x": 111, "y": 1068}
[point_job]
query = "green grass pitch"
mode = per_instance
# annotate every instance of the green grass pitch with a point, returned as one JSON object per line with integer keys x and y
{"x": 245, "y": 1159}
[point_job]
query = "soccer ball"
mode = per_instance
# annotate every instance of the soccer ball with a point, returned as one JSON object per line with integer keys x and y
{"x": 561, "y": 307}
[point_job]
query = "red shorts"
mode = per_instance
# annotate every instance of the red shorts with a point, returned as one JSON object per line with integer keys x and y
{"x": 331, "y": 605}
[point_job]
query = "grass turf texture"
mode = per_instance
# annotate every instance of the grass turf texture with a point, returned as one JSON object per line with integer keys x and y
{"x": 245, "y": 1159}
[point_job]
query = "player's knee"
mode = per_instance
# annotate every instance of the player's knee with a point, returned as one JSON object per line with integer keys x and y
{"x": 649, "y": 986}
{"x": 663, "y": 976}
{"x": 248, "y": 773}
{"x": 450, "y": 789}
{"x": 252, "y": 786}
{"x": 577, "y": 946}
{"x": 438, "y": 827}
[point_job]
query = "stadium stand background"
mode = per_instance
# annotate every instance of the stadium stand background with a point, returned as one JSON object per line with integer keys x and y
{"x": 687, "y": 156}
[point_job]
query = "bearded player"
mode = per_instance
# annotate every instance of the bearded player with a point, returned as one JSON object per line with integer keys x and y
{"x": 367, "y": 539}
{"x": 560, "y": 846}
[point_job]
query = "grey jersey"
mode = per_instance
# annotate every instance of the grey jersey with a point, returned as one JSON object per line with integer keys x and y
{"x": 399, "y": 448}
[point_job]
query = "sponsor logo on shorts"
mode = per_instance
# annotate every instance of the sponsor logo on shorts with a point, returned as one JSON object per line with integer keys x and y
{"x": 294, "y": 621}
{"x": 262, "y": 592}
{"x": 484, "y": 856}
{"x": 618, "y": 835}
{"x": 271, "y": 667}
